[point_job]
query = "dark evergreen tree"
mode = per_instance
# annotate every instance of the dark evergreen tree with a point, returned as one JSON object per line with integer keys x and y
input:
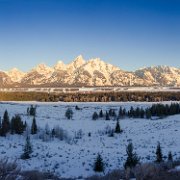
{"x": 27, "y": 149}
{"x": 124, "y": 113}
{"x": 120, "y": 115}
{"x": 110, "y": 112}
{"x": 101, "y": 114}
{"x": 137, "y": 113}
{"x": 34, "y": 126}
{"x": 77, "y": 108}
{"x": 53, "y": 132}
{"x": 28, "y": 111}
{"x": 5, "y": 124}
{"x": 107, "y": 116}
{"x": 17, "y": 125}
{"x": 132, "y": 159}
{"x": 142, "y": 113}
{"x": 32, "y": 110}
{"x": 118, "y": 128}
{"x": 95, "y": 116}
{"x": 148, "y": 113}
{"x": 69, "y": 113}
{"x": 99, "y": 164}
{"x": 131, "y": 112}
{"x": 159, "y": 156}
{"x": 170, "y": 157}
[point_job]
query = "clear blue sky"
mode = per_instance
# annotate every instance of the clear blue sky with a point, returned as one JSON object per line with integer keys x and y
{"x": 127, "y": 33}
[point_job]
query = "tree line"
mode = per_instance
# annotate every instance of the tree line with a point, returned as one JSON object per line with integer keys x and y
{"x": 91, "y": 96}
{"x": 15, "y": 125}
{"x": 156, "y": 110}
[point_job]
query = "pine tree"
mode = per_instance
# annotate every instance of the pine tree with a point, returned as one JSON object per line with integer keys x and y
{"x": 27, "y": 149}
{"x": 69, "y": 113}
{"x": 117, "y": 128}
{"x": 101, "y": 114}
{"x": 148, "y": 113}
{"x": 17, "y": 125}
{"x": 99, "y": 164}
{"x": 32, "y": 111}
{"x": 131, "y": 112}
{"x": 132, "y": 159}
{"x": 77, "y": 108}
{"x": 5, "y": 124}
{"x": 95, "y": 116}
{"x": 28, "y": 111}
{"x": 34, "y": 127}
{"x": 142, "y": 113}
{"x": 159, "y": 156}
{"x": 120, "y": 115}
{"x": 170, "y": 157}
{"x": 107, "y": 116}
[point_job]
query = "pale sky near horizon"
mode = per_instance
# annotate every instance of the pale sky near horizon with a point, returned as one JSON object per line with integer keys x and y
{"x": 129, "y": 34}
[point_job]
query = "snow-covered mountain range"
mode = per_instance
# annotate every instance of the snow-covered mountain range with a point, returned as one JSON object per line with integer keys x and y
{"x": 93, "y": 72}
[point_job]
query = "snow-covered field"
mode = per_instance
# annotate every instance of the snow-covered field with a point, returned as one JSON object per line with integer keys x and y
{"x": 75, "y": 158}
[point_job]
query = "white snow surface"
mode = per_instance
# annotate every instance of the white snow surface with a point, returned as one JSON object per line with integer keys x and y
{"x": 77, "y": 159}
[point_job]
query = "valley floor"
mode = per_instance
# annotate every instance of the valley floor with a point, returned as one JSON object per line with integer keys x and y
{"x": 74, "y": 157}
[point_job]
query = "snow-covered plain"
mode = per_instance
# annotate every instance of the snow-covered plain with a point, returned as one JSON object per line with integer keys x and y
{"x": 76, "y": 158}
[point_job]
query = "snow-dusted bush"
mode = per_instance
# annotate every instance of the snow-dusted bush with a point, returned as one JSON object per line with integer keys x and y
{"x": 107, "y": 131}
{"x": 79, "y": 134}
{"x": 60, "y": 133}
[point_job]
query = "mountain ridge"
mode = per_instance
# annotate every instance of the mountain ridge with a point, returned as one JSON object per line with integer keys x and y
{"x": 93, "y": 72}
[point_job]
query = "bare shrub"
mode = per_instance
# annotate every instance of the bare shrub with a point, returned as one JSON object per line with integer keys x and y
{"x": 9, "y": 170}
{"x": 36, "y": 175}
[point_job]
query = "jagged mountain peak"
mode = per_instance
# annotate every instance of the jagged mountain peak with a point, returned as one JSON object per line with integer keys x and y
{"x": 60, "y": 66}
{"x": 159, "y": 69}
{"x": 78, "y": 61}
{"x": 42, "y": 68}
{"x": 15, "y": 74}
{"x": 94, "y": 72}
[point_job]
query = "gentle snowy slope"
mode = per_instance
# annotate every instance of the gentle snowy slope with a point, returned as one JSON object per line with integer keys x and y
{"x": 76, "y": 158}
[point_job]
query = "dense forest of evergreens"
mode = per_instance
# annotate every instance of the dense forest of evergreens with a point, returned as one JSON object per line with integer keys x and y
{"x": 90, "y": 97}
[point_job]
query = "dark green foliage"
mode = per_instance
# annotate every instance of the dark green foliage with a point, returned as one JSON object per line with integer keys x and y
{"x": 132, "y": 159}
{"x": 159, "y": 156}
{"x": 27, "y": 149}
{"x": 95, "y": 116}
{"x": 148, "y": 113}
{"x": 31, "y": 111}
{"x": 17, "y": 125}
{"x": 107, "y": 116}
{"x": 99, "y": 164}
{"x": 34, "y": 127}
{"x": 170, "y": 157}
{"x": 156, "y": 110}
{"x": 53, "y": 132}
{"x": 77, "y": 108}
{"x": 131, "y": 112}
{"x": 122, "y": 113}
{"x": 118, "y": 128}
{"x": 69, "y": 113}
{"x": 5, "y": 126}
{"x": 112, "y": 113}
{"x": 101, "y": 114}
{"x": 142, "y": 113}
